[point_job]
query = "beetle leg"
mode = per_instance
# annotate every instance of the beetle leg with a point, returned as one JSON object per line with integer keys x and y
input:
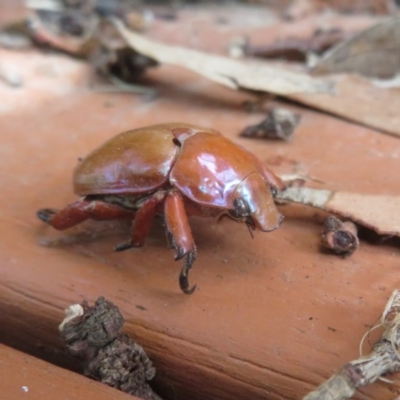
{"x": 81, "y": 210}
{"x": 141, "y": 224}
{"x": 179, "y": 229}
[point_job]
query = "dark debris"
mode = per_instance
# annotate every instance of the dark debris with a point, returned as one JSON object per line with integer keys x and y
{"x": 341, "y": 237}
{"x": 279, "y": 124}
{"x": 109, "y": 356}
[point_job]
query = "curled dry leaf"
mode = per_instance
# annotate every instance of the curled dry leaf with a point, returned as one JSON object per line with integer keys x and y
{"x": 232, "y": 73}
{"x": 377, "y": 212}
{"x": 374, "y": 52}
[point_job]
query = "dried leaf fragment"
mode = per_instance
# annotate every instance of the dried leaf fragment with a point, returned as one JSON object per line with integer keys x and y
{"x": 380, "y": 213}
{"x": 232, "y": 73}
{"x": 359, "y": 100}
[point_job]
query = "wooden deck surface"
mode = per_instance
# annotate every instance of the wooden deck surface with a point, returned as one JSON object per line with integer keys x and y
{"x": 273, "y": 316}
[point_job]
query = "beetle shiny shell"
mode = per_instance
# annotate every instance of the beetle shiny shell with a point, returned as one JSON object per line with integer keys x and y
{"x": 173, "y": 169}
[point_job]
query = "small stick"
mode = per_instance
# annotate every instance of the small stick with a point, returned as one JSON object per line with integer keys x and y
{"x": 383, "y": 359}
{"x": 341, "y": 237}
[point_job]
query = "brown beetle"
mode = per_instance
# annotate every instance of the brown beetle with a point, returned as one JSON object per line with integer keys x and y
{"x": 177, "y": 170}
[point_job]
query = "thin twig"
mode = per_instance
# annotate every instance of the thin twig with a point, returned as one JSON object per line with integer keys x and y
{"x": 383, "y": 359}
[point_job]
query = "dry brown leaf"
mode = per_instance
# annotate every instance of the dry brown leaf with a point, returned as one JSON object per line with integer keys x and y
{"x": 232, "y": 73}
{"x": 359, "y": 100}
{"x": 355, "y": 98}
{"x": 380, "y": 213}
{"x": 374, "y": 52}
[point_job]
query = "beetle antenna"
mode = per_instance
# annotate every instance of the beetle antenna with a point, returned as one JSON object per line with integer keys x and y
{"x": 184, "y": 275}
{"x": 250, "y": 227}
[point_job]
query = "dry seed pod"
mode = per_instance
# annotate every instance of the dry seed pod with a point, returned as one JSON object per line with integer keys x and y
{"x": 340, "y": 236}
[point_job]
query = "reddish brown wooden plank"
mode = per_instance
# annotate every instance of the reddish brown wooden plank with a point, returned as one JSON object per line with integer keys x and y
{"x": 26, "y": 377}
{"x": 273, "y": 316}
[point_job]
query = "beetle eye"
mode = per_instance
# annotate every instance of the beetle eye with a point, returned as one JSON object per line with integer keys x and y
{"x": 176, "y": 142}
{"x": 241, "y": 208}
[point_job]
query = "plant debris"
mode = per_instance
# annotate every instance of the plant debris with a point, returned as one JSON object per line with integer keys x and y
{"x": 358, "y": 99}
{"x": 93, "y": 335}
{"x": 78, "y": 28}
{"x": 380, "y": 213}
{"x": 373, "y": 52}
{"x": 226, "y": 71}
{"x": 341, "y": 237}
{"x": 296, "y": 49}
{"x": 383, "y": 359}
{"x": 279, "y": 124}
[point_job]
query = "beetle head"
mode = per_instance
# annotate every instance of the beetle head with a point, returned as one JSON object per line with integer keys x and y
{"x": 254, "y": 204}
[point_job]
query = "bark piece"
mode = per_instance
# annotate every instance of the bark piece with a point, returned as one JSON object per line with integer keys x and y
{"x": 93, "y": 335}
{"x": 377, "y": 212}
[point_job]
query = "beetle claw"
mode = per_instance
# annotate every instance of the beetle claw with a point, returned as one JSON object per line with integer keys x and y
{"x": 184, "y": 275}
{"x": 45, "y": 214}
{"x": 180, "y": 253}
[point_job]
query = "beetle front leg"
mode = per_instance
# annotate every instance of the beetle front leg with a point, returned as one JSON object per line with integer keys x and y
{"x": 178, "y": 227}
{"x": 142, "y": 223}
{"x": 81, "y": 210}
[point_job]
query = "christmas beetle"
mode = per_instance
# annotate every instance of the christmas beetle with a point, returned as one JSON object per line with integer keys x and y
{"x": 176, "y": 170}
